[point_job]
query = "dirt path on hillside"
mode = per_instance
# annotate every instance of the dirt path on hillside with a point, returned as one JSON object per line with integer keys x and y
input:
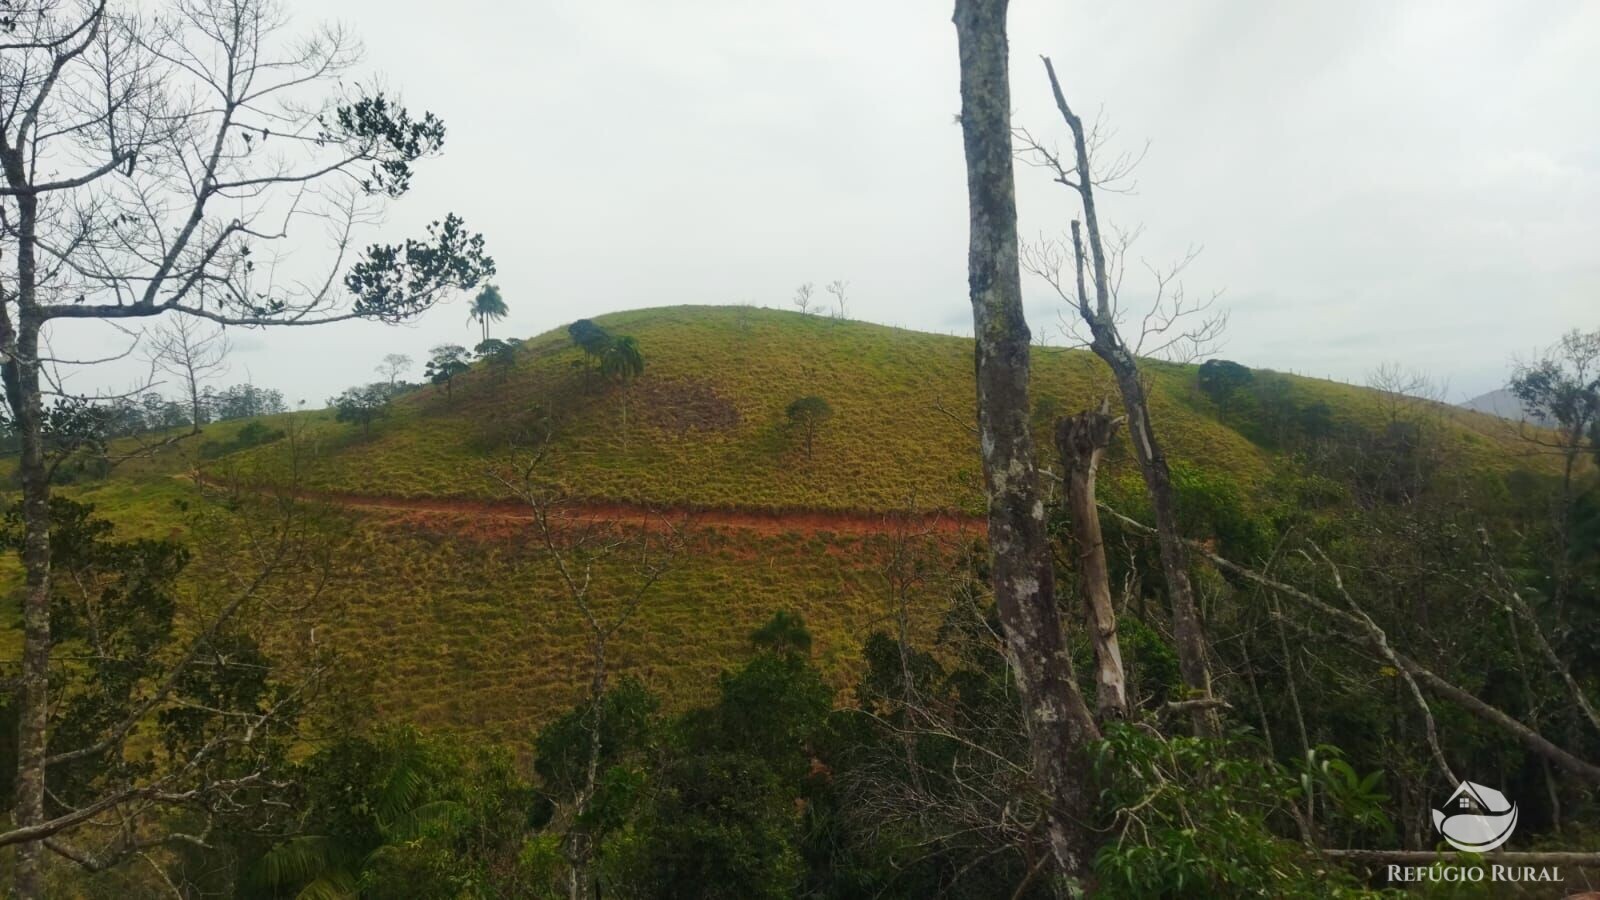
{"x": 764, "y": 522}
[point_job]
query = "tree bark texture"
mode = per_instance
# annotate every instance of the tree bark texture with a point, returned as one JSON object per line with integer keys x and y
{"x": 1058, "y": 720}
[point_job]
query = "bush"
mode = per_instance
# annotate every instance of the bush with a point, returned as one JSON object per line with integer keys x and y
{"x": 253, "y": 434}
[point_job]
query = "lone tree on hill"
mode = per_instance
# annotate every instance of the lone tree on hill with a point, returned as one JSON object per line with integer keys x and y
{"x": 802, "y": 297}
{"x": 185, "y": 349}
{"x": 838, "y": 287}
{"x": 488, "y": 306}
{"x": 146, "y": 163}
{"x": 808, "y": 415}
{"x": 621, "y": 363}
{"x": 447, "y": 361}
{"x": 394, "y": 365}
{"x": 1220, "y": 379}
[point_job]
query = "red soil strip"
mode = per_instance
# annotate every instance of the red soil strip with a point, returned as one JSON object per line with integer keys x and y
{"x": 764, "y": 522}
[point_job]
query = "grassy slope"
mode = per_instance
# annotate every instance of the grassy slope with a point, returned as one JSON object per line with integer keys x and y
{"x": 456, "y": 623}
{"x": 900, "y": 401}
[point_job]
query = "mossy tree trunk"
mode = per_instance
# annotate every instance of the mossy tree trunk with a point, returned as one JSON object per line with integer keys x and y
{"x": 1059, "y": 723}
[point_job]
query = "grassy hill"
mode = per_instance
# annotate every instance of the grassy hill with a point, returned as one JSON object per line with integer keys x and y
{"x": 450, "y": 615}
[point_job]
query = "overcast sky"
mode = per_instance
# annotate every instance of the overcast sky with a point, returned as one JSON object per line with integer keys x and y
{"x": 1371, "y": 181}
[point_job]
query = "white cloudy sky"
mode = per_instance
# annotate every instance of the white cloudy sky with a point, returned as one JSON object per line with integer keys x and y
{"x": 1371, "y": 180}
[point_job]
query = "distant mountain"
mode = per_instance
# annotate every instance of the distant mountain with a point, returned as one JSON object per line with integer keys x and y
{"x": 1504, "y": 404}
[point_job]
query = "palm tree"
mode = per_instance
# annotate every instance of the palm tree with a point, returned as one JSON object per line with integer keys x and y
{"x": 622, "y": 362}
{"x": 488, "y": 305}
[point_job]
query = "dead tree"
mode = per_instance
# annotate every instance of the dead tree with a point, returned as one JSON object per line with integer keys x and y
{"x": 586, "y": 554}
{"x": 838, "y": 288}
{"x": 185, "y": 349}
{"x": 1353, "y": 625}
{"x": 1058, "y": 721}
{"x": 151, "y": 165}
{"x": 1100, "y": 315}
{"x": 1081, "y": 441}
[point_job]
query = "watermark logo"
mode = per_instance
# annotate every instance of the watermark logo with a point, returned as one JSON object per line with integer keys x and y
{"x": 1476, "y": 819}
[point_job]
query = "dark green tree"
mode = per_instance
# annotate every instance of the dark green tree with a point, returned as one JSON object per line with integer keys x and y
{"x": 589, "y": 337}
{"x": 728, "y": 811}
{"x": 445, "y": 362}
{"x": 362, "y": 405}
{"x": 1220, "y": 378}
{"x": 499, "y": 355}
{"x": 807, "y": 415}
{"x": 621, "y": 363}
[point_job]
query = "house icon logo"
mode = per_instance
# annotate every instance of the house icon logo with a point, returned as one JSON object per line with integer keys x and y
{"x": 1476, "y": 819}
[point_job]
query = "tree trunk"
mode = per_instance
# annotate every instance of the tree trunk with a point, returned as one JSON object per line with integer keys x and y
{"x": 580, "y": 842}
{"x": 194, "y": 403}
{"x": 1081, "y": 441}
{"x": 21, "y": 376}
{"x": 1058, "y": 721}
{"x": 1109, "y": 346}
{"x": 1186, "y": 628}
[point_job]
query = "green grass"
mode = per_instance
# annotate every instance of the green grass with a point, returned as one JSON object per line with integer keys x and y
{"x": 456, "y": 628}
{"x": 452, "y": 622}
{"x": 901, "y": 402}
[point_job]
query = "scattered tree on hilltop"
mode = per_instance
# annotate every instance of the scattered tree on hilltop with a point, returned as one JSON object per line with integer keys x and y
{"x": 488, "y": 306}
{"x": 837, "y": 288}
{"x": 1221, "y": 378}
{"x": 394, "y": 365}
{"x": 148, "y": 161}
{"x": 808, "y": 414}
{"x": 802, "y": 297}
{"x": 500, "y": 355}
{"x": 588, "y": 336}
{"x": 362, "y": 405}
{"x": 622, "y": 363}
{"x": 445, "y": 363}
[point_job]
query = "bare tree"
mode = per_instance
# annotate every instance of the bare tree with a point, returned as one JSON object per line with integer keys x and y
{"x": 185, "y": 348}
{"x": 394, "y": 365}
{"x": 607, "y": 570}
{"x": 1081, "y": 441}
{"x": 1100, "y": 314}
{"x": 802, "y": 297}
{"x": 1355, "y": 626}
{"x": 837, "y": 288}
{"x": 160, "y": 164}
{"x": 1562, "y": 387}
{"x": 1058, "y": 721}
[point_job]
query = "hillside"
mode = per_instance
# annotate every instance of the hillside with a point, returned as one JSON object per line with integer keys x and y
{"x": 451, "y": 614}
{"x": 705, "y": 425}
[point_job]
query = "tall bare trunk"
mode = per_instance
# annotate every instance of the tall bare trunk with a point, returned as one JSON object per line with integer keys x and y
{"x": 1058, "y": 721}
{"x": 1186, "y": 628}
{"x": 20, "y": 343}
{"x": 1110, "y": 347}
{"x": 1081, "y": 441}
